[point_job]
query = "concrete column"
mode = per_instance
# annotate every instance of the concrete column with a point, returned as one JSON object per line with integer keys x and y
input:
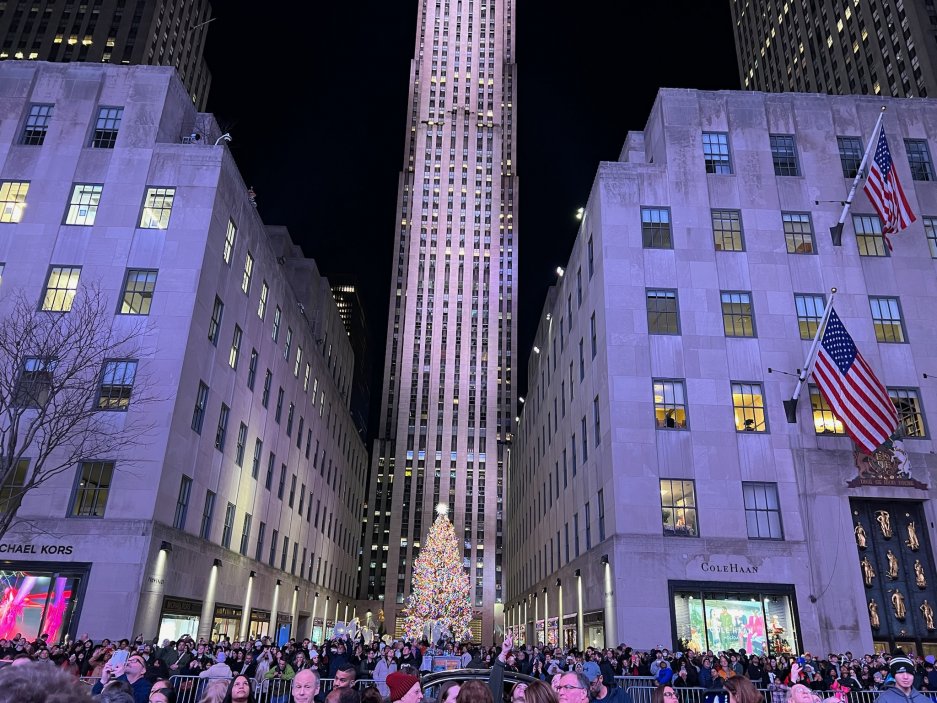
{"x": 246, "y": 610}
{"x": 151, "y": 596}
{"x": 273, "y": 611}
{"x": 526, "y": 637}
{"x": 559, "y": 603}
{"x": 208, "y": 605}
{"x": 337, "y": 606}
{"x": 346, "y": 613}
{"x": 536, "y": 616}
{"x": 580, "y": 622}
{"x": 312, "y": 619}
{"x": 294, "y": 613}
{"x": 546, "y": 616}
{"x": 610, "y": 635}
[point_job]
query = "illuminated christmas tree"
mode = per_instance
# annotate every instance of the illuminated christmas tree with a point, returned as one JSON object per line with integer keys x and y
{"x": 439, "y": 596}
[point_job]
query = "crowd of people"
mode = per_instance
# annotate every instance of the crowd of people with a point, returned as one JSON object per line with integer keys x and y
{"x": 259, "y": 671}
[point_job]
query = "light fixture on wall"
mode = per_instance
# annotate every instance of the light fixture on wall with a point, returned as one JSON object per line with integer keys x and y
{"x": 253, "y": 574}
{"x": 217, "y": 562}
{"x": 165, "y": 546}
{"x": 578, "y": 572}
{"x": 605, "y": 558}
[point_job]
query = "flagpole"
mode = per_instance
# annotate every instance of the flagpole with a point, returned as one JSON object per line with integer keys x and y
{"x": 836, "y": 231}
{"x": 790, "y": 406}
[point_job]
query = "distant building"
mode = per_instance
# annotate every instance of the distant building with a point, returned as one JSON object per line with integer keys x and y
{"x": 148, "y": 32}
{"x": 239, "y": 514}
{"x": 826, "y": 46}
{"x": 351, "y": 311}
{"x": 657, "y": 493}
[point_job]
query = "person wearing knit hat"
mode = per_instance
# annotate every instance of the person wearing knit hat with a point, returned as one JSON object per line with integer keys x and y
{"x": 902, "y": 670}
{"x": 404, "y": 687}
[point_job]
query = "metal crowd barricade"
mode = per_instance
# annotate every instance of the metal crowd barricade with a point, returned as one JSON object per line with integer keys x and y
{"x": 89, "y": 680}
{"x": 642, "y": 690}
{"x": 190, "y": 689}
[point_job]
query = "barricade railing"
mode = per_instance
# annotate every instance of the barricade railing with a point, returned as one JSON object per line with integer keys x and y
{"x": 89, "y": 680}
{"x": 189, "y": 689}
{"x": 641, "y": 693}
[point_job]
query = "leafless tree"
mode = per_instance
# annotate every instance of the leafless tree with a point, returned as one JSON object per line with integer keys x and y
{"x": 65, "y": 377}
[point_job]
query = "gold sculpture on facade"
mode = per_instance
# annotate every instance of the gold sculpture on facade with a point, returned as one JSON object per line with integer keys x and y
{"x": 898, "y": 605}
{"x": 873, "y": 615}
{"x": 919, "y": 579}
{"x": 868, "y": 571}
{"x": 928, "y": 613}
{"x": 884, "y": 523}
{"x": 913, "y": 542}
{"x": 861, "y": 540}
{"x": 892, "y": 565}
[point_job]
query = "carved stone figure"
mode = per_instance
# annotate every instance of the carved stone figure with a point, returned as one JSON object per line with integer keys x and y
{"x": 873, "y": 615}
{"x": 919, "y": 579}
{"x": 868, "y": 571}
{"x": 884, "y": 523}
{"x": 892, "y": 565}
{"x": 928, "y": 613}
{"x": 913, "y": 542}
{"x": 898, "y": 605}
{"x": 861, "y": 539}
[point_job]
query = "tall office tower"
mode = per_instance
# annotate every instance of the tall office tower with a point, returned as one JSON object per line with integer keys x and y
{"x": 351, "y": 311}
{"x": 876, "y": 47}
{"x": 150, "y": 32}
{"x": 447, "y": 396}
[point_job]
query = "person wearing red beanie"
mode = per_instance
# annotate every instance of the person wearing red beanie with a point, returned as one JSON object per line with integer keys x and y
{"x": 404, "y": 687}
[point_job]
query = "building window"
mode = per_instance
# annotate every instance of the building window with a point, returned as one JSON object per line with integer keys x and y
{"x": 601, "y": 502}
{"x": 262, "y": 305}
{"x": 298, "y": 362}
{"x": 255, "y": 462}
{"x": 230, "y": 238}
{"x": 261, "y": 530}
{"x": 83, "y": 206}
{"x": 276, "y": 324}
{"x": 281, "y": 487}
{"x": 228, "y": 529}
{"x": 274, "y": 538}
{"x": 61, "y": 287}
{"x": 886, "y": 319}
{"x": 591, "y": 257}
{"x": 37, "y": 125}
{"x": 824, "y": 419}
{"x": 678, "y": 507}
{"x": 662, "y": 316}
{"x": 248, "y": 271}
{"x": 139, "y": 285}
{"x": 919, "y": 159}
{"x": 13, "y": 200}
{"x": 716, "y": 153}
{"x": 157, "y": 207}
{"x": 235, "y": 353}
{"x": 869, "y": 236}
{"x": 116, "y": 386}
{"x": 241, "y": 443}
{"x": 798, "y": 233}
{"x": 201, "y": 401}
{"x": 12, "y": 485}
{"x": 850, "y": 155}
{"x": 268, "y": 382}
{"x": 655, "y": 228}
{"x": 727, "y": 230}
{"x": 214, "y": 325}
{"x": 292, "y": 496}
{"x": 182, "y": 503}
{"x": 245, "y": 534}
{"x": 748, "y": 405}
{"x": 670, "y": 404}
{"x": 737, "y": 317}
{"x": 204, "y": 530}
{"x": 809, "y": 313}
{"x": 35, "y": 382}
{"x": 279, "y": 410}
{"x": 587, "y": 516}
{"x": 271, "y": 465}
{"x": 221, "y": 432}
{"x": 930, "y": 229}
{"x": 106, "y": 127}
{"x": 596, "y": 421}
{"x": 784, "y": 155}
{"x": 94, "y": 485}
{"x": 762, "y": 510}
{"x": 910, "y": 413}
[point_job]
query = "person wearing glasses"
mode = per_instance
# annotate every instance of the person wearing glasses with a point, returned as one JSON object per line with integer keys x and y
{"x": 132, "y": 671}
{"x": 573, "y": 687}
{"x": 664, "y": 693}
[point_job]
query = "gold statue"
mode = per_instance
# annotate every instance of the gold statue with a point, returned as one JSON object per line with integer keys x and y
{"x": 928, "y": 613}
{"x": 873, "y": 615}
{"x": 884, "y": 523}
{"x": 892, "y": 565}
{"x": 861, "y": 540}
{"x": 913, "y": 542}
{"x": 868, "y": 571}
{"x": 919, "y": 579}
{"x": 898, "y": 604}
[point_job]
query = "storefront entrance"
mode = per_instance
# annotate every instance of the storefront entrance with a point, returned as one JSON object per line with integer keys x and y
{"x": 35, "y": 599}
{"x": 178, "y": 617}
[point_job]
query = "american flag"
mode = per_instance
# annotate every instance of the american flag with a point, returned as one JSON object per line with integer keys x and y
{"x": 885, "y": 193}
{"x": 851, "y": 389}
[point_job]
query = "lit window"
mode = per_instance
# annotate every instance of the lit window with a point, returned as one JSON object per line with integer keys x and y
{"x": 886, "y": 319}
{"x": 716, "y": 153}
{"x": 221, "y": 432}
{"x": 116, "y": 384}
{"x": 737, "y": 318}
{"x": 809, "y": 313}
{"x": 784, "y": 155}
{"x": 824, "y": 419}
{"x": 61, "y": 288}
{"x": 655, "y": 228}
{"x": 12, "y": 200}
{"x": 850, "y": 155}
{"x": 201, "y": 402}
{"x": 230, "y": 238}
{"x": 748, "y": 405}
{"x": 138, "y": 292}
{"x": 94, "y": 485}
{"x": 798, "y": 233}
{"x": 157, "y": 207}
{"x": 214, "y": 325}
{"x": 235, "y": 352}
{"x": 670, "y": 404}
{"x": 762, "y": 510}
{"x": 37, "y": 125}
{"x": 35, "y": 382}
{"x": 83, "y": 206}
{"x": 262, "y": 305}
{"x": 678, "y": 507}
{"x": 869, "y": 236}
{"x": 727, "y": 230}
{"x": 106, "y": 127}
{"x": 662, "y": 315}
{"x": 910, "y": 414}
{"x": 248, "y": 271}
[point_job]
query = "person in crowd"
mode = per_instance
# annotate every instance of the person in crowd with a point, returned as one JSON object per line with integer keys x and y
{"x": 37, "y": 683}
{"x": 406, "y": 688}
{"x": 370, "y": 694}
{"x": 305, "y": 686}
{"x": 742, "y": 690}
{"x": 219, "y": 670}
{"x": 664, "y": 693}
{"x": 239, "y": 690}
{"x": 132, "y": 671}
{"x": 901, "y": 669}
{"x": 470, "y": 692}
{"x": 343, "y": 695}
{"x": 214, "y": 691}
{"x": 540, "y": 692}
{"x": 386, "y": 666}
{"x": 448, "y": 692}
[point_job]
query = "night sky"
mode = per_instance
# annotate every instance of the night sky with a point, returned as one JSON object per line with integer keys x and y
{"x": 317, "y": 110}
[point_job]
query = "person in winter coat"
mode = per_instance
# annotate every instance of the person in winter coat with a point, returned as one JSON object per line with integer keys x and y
{"x": 902, "y": 670}
{"x": 387, "y": 665}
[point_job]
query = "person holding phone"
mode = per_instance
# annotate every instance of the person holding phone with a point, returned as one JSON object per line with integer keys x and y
{"x": 132, "y": 671}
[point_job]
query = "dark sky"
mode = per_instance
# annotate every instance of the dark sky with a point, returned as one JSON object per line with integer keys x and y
{"x": 317, "y": 110}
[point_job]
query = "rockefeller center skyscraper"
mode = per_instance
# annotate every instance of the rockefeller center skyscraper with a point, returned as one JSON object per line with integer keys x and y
{"x": 447, "y": 398}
